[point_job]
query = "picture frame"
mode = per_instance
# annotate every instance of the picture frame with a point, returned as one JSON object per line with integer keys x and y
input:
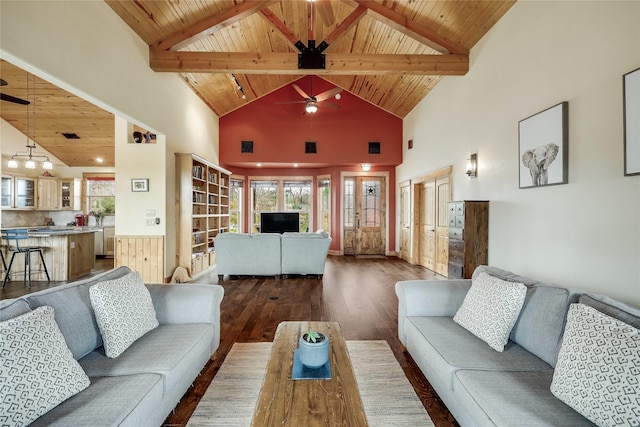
{"x": 139, "y": 184}
{"x": 543, "y": 141}
{"x": 631, "y": 97}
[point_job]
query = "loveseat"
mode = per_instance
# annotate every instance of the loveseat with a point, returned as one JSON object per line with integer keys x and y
{"x": 485, "y": 387}
{"x": 142, "y": 385}
{"x": 271, "y": 254}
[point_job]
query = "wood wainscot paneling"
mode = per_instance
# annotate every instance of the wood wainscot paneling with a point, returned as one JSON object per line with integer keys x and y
{"x": 144, "y": 254}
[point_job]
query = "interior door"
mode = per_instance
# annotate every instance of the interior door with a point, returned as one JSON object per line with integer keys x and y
{"x": 443, "y": 197}
{"x": 370, "y": 233}
{"x": 427, "y": 225}
{"x": 405, "y": 222}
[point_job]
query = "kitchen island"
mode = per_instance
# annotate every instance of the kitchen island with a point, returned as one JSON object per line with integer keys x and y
{"x": 68, "y": 252}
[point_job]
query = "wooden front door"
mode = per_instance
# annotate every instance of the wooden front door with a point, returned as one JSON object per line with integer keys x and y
{"x": 364, "y": 215}
{"x": 427, "y": 225}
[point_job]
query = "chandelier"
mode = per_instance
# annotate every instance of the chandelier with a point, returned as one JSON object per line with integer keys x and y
{"x": 29, "y": 156}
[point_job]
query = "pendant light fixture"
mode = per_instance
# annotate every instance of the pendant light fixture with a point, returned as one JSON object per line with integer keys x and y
{"x": 29, "y": 156}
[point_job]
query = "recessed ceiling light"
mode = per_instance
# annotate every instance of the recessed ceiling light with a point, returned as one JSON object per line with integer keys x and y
{"x": 99, "y": 159}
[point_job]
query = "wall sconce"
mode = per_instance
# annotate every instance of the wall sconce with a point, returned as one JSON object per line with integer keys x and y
{"x": 365, "y": 167}
{"x": 472, "y": 166}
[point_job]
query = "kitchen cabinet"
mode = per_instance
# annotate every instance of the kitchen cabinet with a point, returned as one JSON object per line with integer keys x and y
{"x": 18, "y": 192}
{"x": 48, "y": 194}
{"x": 109, "y": 241}
{"x": 69, "y": 194}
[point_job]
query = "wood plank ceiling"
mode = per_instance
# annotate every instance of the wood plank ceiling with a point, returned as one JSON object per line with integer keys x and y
{"x": 389, "y": 53}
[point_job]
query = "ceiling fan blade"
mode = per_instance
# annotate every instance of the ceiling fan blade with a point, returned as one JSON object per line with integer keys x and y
{"x": 13, "y": 99}
{"x": 3, "y": 82}
{"x": 291, "y": 102}
{"x": 328, "y": 94}
{"x": 300, "y": 91}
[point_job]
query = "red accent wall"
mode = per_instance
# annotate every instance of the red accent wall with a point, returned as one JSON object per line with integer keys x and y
{"x": 279, "y": 132}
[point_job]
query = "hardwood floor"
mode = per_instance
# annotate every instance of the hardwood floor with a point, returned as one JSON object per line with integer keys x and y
{"x": 357, "y": 293}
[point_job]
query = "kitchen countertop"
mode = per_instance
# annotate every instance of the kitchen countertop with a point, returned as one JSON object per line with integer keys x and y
{"x": 55, "y": 231}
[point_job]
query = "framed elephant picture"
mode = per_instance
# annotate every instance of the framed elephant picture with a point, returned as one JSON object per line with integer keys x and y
{"x": 543, "y": 153}
{"x": 631, "y": 93}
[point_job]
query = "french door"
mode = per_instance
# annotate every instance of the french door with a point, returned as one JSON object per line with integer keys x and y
{"x": 364, "y": 215}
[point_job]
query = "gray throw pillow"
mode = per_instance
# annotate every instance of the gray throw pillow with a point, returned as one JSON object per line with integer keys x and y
{"x": 124, "y": 312}
{"x": 491, "y": 308}
{"x": 37, "y": 369}
{"x": 598, "y": 368}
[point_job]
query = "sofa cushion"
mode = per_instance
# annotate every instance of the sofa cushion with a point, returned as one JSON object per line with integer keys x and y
{"x": 126, "y": 400}
{"x": 37, "y": 370}
{"x": 513, "y": 398}
{"x": 542, "y": 318}
{"x": 491, "y": 308}
{"x": 446, "y": 347}
{"x": 613, "y": 308}
{"x": 169, "y": 350}
{"x": 73, "y": 311}
{"x": 124, "y": 311}
{"x": 598, "y": 369}
{"x": 12, "y": 308}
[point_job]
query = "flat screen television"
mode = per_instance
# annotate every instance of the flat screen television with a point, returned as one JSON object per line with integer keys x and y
{"x": 279, "y": 222}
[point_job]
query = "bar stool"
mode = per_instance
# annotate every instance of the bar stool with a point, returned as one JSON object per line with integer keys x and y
{"x": 16, "y": 236}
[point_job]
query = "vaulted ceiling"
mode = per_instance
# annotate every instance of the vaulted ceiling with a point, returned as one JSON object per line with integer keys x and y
{"x": 390, "y": 53}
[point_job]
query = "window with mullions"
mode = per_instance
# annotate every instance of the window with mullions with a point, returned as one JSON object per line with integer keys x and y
{"x": 264, "y": 198}
{"x": 297, "y": 198}
{"x": 324, "y": 204}
{"x": 101, "y": 195}
{"x": 235, "y": 206}
{"x": 370, "y": 203}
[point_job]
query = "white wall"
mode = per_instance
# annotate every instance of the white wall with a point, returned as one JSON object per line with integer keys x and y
{"x": 85, "y": 48}
{"x": 585, "y": 234}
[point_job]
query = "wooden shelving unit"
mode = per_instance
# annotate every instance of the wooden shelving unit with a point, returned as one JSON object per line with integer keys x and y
{"x": 202, "y": 206}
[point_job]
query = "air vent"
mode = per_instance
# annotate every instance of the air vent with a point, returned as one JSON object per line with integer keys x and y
{"x": 374, "y": 148}
{"x": 310, "y": 148}
{"x": 70, "y": 135}
{"x": 246, "y": 146}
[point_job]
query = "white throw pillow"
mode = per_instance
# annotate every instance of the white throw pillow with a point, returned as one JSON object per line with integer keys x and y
{"x": 491, "y": 308}
{"x": 124, "y": 312}
{"x": 598, "y": 368}
{"x": 37, "y": 369}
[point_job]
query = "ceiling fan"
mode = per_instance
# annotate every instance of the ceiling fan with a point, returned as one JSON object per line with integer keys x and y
{"x": 10, "y": 98}
{"x": 312, "y": 101}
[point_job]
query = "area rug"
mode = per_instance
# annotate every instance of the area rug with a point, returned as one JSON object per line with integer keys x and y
{"x": 387, "y": 395}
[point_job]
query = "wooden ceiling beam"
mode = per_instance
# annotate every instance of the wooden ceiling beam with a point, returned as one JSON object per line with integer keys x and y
{"x": 348, "y": 23}
{"x": 325, "y": 11}
{"x": 409, "y": 28}
{"x": 287, "y": 63}
{"x": 279, "y": 26}
{"x": 211, "y": 24}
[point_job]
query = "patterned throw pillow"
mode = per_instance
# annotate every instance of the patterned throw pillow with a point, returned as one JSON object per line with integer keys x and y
{"x": 124, "y": 312}
{"x": 598, "y": 368}
{"x": 491, "y": 308}
{"x": 37, "y": 369}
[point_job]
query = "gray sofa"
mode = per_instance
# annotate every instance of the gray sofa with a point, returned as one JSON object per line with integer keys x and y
{"x": 271, "y": 254}
{"x": 483, "y": 387}
{"x": 142, "y": 385}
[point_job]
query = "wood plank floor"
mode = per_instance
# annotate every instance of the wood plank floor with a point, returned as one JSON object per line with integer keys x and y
{"x": 357, "y": 293}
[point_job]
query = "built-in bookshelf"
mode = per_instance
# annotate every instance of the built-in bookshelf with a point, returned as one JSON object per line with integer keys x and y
{"x": 202, "y": 190}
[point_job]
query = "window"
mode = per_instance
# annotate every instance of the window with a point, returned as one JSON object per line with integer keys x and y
{"x": 324, "y": 204}
{"x": 264, "y": 198}
{"x": 235, "y": 206}
{"x": 297, "y": 196}
{"x": 282, "y": 195}
{"x": 349, "y": 203}
{"x": 370, "y": 203}
{"x": 101, "y": 194}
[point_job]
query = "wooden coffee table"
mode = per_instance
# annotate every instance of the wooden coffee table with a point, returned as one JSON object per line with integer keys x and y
{"x": 287, "y": 402}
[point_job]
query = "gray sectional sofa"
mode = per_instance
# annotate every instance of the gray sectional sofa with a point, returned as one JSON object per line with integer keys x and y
{"x": 484, "y": 387}
{"x": 271, "y": 254}
{"x": 142, "y": 385}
